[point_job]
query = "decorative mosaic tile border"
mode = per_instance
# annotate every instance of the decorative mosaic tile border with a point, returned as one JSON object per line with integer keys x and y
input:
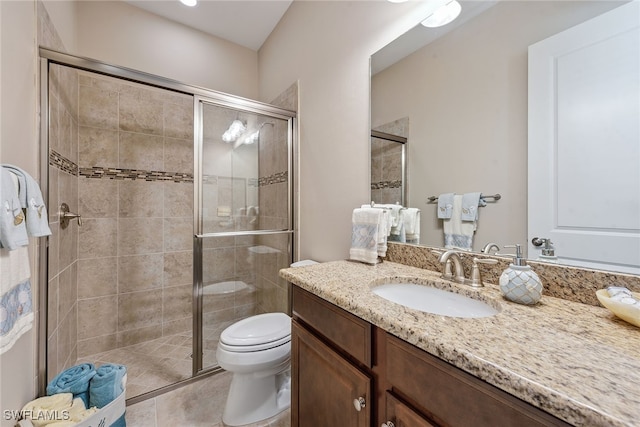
{"x": 386, "y": 184}
{"x": 135, "y": 174}
{"x": 276, "y": 178}
{"x": 97, "y": 172}
{"x": 57, "y": 160}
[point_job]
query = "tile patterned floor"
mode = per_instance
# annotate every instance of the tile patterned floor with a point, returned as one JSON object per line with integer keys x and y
{"x": 199, "y": 404}
{"x": 150, "y": 365}
{"x": 154, "y": 364}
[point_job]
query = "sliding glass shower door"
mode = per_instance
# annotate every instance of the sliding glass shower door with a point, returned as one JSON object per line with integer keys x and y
{"x": 243, "y": 221}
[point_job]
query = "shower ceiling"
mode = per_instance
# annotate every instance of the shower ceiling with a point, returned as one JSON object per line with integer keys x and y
{"x": 247, "y": 23}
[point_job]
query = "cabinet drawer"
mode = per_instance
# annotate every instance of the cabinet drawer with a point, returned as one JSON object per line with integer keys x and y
{"x": 452, "y": 397}
{"x": 402, "y": 415}
{"x": 348, "y": 332}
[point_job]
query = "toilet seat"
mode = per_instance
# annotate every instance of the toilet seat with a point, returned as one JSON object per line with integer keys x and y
{"x": 256, "y": 333}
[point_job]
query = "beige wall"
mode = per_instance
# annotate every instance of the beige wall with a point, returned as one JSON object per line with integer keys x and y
{"x": 18, "y": 146}
{"x": 326, "y": 46}
{"x": 466, "y": 97}
{"x": 64, "y": 16}
{"x": 120, "y": 34}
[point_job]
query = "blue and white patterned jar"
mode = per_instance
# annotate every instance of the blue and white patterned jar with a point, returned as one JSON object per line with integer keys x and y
{"x": 519, "y": 283}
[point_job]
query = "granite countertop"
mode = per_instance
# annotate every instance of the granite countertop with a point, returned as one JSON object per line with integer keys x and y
{"x": 575, "y": 361}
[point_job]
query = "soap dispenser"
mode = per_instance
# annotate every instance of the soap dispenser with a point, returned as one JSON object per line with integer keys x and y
{"x": 519, "y": 283}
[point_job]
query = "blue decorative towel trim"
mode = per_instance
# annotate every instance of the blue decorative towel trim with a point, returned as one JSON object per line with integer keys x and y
{"x": 14, "y": 305}
{"x": 364, "y": 236}
{"x": 458, "y": 241}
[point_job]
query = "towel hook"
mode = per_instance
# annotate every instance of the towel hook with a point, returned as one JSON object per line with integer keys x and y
{"x": 66, "y": 216}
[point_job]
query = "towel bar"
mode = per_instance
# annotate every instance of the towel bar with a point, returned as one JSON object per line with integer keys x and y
{"x": 495, "y": 198}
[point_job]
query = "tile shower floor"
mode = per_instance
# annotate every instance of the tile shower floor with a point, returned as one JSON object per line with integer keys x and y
{"x": 157, "y": 363}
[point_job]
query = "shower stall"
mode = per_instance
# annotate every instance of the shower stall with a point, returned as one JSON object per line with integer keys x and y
{"x": 179, "y": 217}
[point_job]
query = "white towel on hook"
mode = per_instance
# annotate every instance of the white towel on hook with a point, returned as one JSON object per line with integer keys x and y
{"x": 458, "y": 234}
{"x": 388, "y": 216}
{"x": 445, "y": 205}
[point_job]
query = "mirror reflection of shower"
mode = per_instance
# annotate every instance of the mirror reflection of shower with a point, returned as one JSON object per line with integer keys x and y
{"x": 238, "y": 133}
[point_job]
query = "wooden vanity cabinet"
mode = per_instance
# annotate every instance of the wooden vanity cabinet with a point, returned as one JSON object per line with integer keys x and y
{"x": 448, "y": 396}
{"x": 338, "y": 358}
{"x": 331, "y": 365}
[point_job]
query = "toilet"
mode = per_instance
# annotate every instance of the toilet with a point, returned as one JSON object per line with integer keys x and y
{"x": 257, "y": 351}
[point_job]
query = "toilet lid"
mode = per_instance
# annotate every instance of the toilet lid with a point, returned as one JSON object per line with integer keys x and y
{"x": 268, "y": 328}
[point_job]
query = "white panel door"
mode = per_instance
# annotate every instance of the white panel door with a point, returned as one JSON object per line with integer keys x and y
{"x": 584, "y": 142}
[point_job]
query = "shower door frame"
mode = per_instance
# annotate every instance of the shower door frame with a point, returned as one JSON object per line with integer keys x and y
{"x": 199, "y": 234}
{"x": 49, "y": 57}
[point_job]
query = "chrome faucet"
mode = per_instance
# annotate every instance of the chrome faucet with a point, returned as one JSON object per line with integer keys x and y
{"x": 452, "y": 257}
{"x": 487, "y": 248}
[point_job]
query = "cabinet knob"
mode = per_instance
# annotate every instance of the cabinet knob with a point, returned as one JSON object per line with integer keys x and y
{"x": 388, "y": 424}
{"x": 359, "y": 403}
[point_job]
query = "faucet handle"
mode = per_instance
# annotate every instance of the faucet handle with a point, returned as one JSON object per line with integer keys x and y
{"x": 476, "y": 277}
{"x": 447, "y": 272}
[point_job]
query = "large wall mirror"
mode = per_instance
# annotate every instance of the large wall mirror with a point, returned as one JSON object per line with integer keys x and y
{"x": 462, "y": 90}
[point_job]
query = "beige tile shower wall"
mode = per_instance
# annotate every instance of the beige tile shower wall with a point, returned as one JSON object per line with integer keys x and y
{"x": 63, "y": 248}
{"x": 386, "y": 163}
{"x": 386, "y": 171}
{"x": 135, "y": 247}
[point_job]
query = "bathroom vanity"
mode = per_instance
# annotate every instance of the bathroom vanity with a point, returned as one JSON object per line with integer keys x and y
{"x": 360, "y": 360}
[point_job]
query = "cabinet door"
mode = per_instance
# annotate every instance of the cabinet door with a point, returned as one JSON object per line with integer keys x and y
{"x": 403, "y": 416}
{"x": 325, "y": 385}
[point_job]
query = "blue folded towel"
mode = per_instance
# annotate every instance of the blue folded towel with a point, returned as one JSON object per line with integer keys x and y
{"x": 74, "y": 380}
{"x": 470, "y": 203}
{"x": 445, "y": 205}
{"x": 13, "y": 229}
{"x": 108, "y": 383}
{"x": 31, "y": 200}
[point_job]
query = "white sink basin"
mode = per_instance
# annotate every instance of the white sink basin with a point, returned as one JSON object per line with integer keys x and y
{"x": 434, "y": 300}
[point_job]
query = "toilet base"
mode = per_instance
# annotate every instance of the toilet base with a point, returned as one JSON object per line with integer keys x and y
{"x": 253, "y": 399}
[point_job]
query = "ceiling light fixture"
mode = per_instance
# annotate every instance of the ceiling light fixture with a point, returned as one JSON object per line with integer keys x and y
{"x": 396, "y": 1}
{"x": 253, "y": 138}
{"x": 236, "y": 129}
{"x": 443, "y": 15}
{"x": 189, "y": 3}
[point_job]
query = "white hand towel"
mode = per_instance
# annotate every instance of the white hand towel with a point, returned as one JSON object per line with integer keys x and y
{"x": 368, "y": 234}
{"x": 470, "y": 203}
{"x": 411, "y": 218}
{"x": 16, "y": 304}
{"x": 445, "y": 205}
{"x": 458, "y": 234}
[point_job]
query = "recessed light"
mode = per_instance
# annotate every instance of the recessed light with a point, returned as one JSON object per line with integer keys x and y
{"x": 443, "y": 15}
{"x": 189, "y": 3}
